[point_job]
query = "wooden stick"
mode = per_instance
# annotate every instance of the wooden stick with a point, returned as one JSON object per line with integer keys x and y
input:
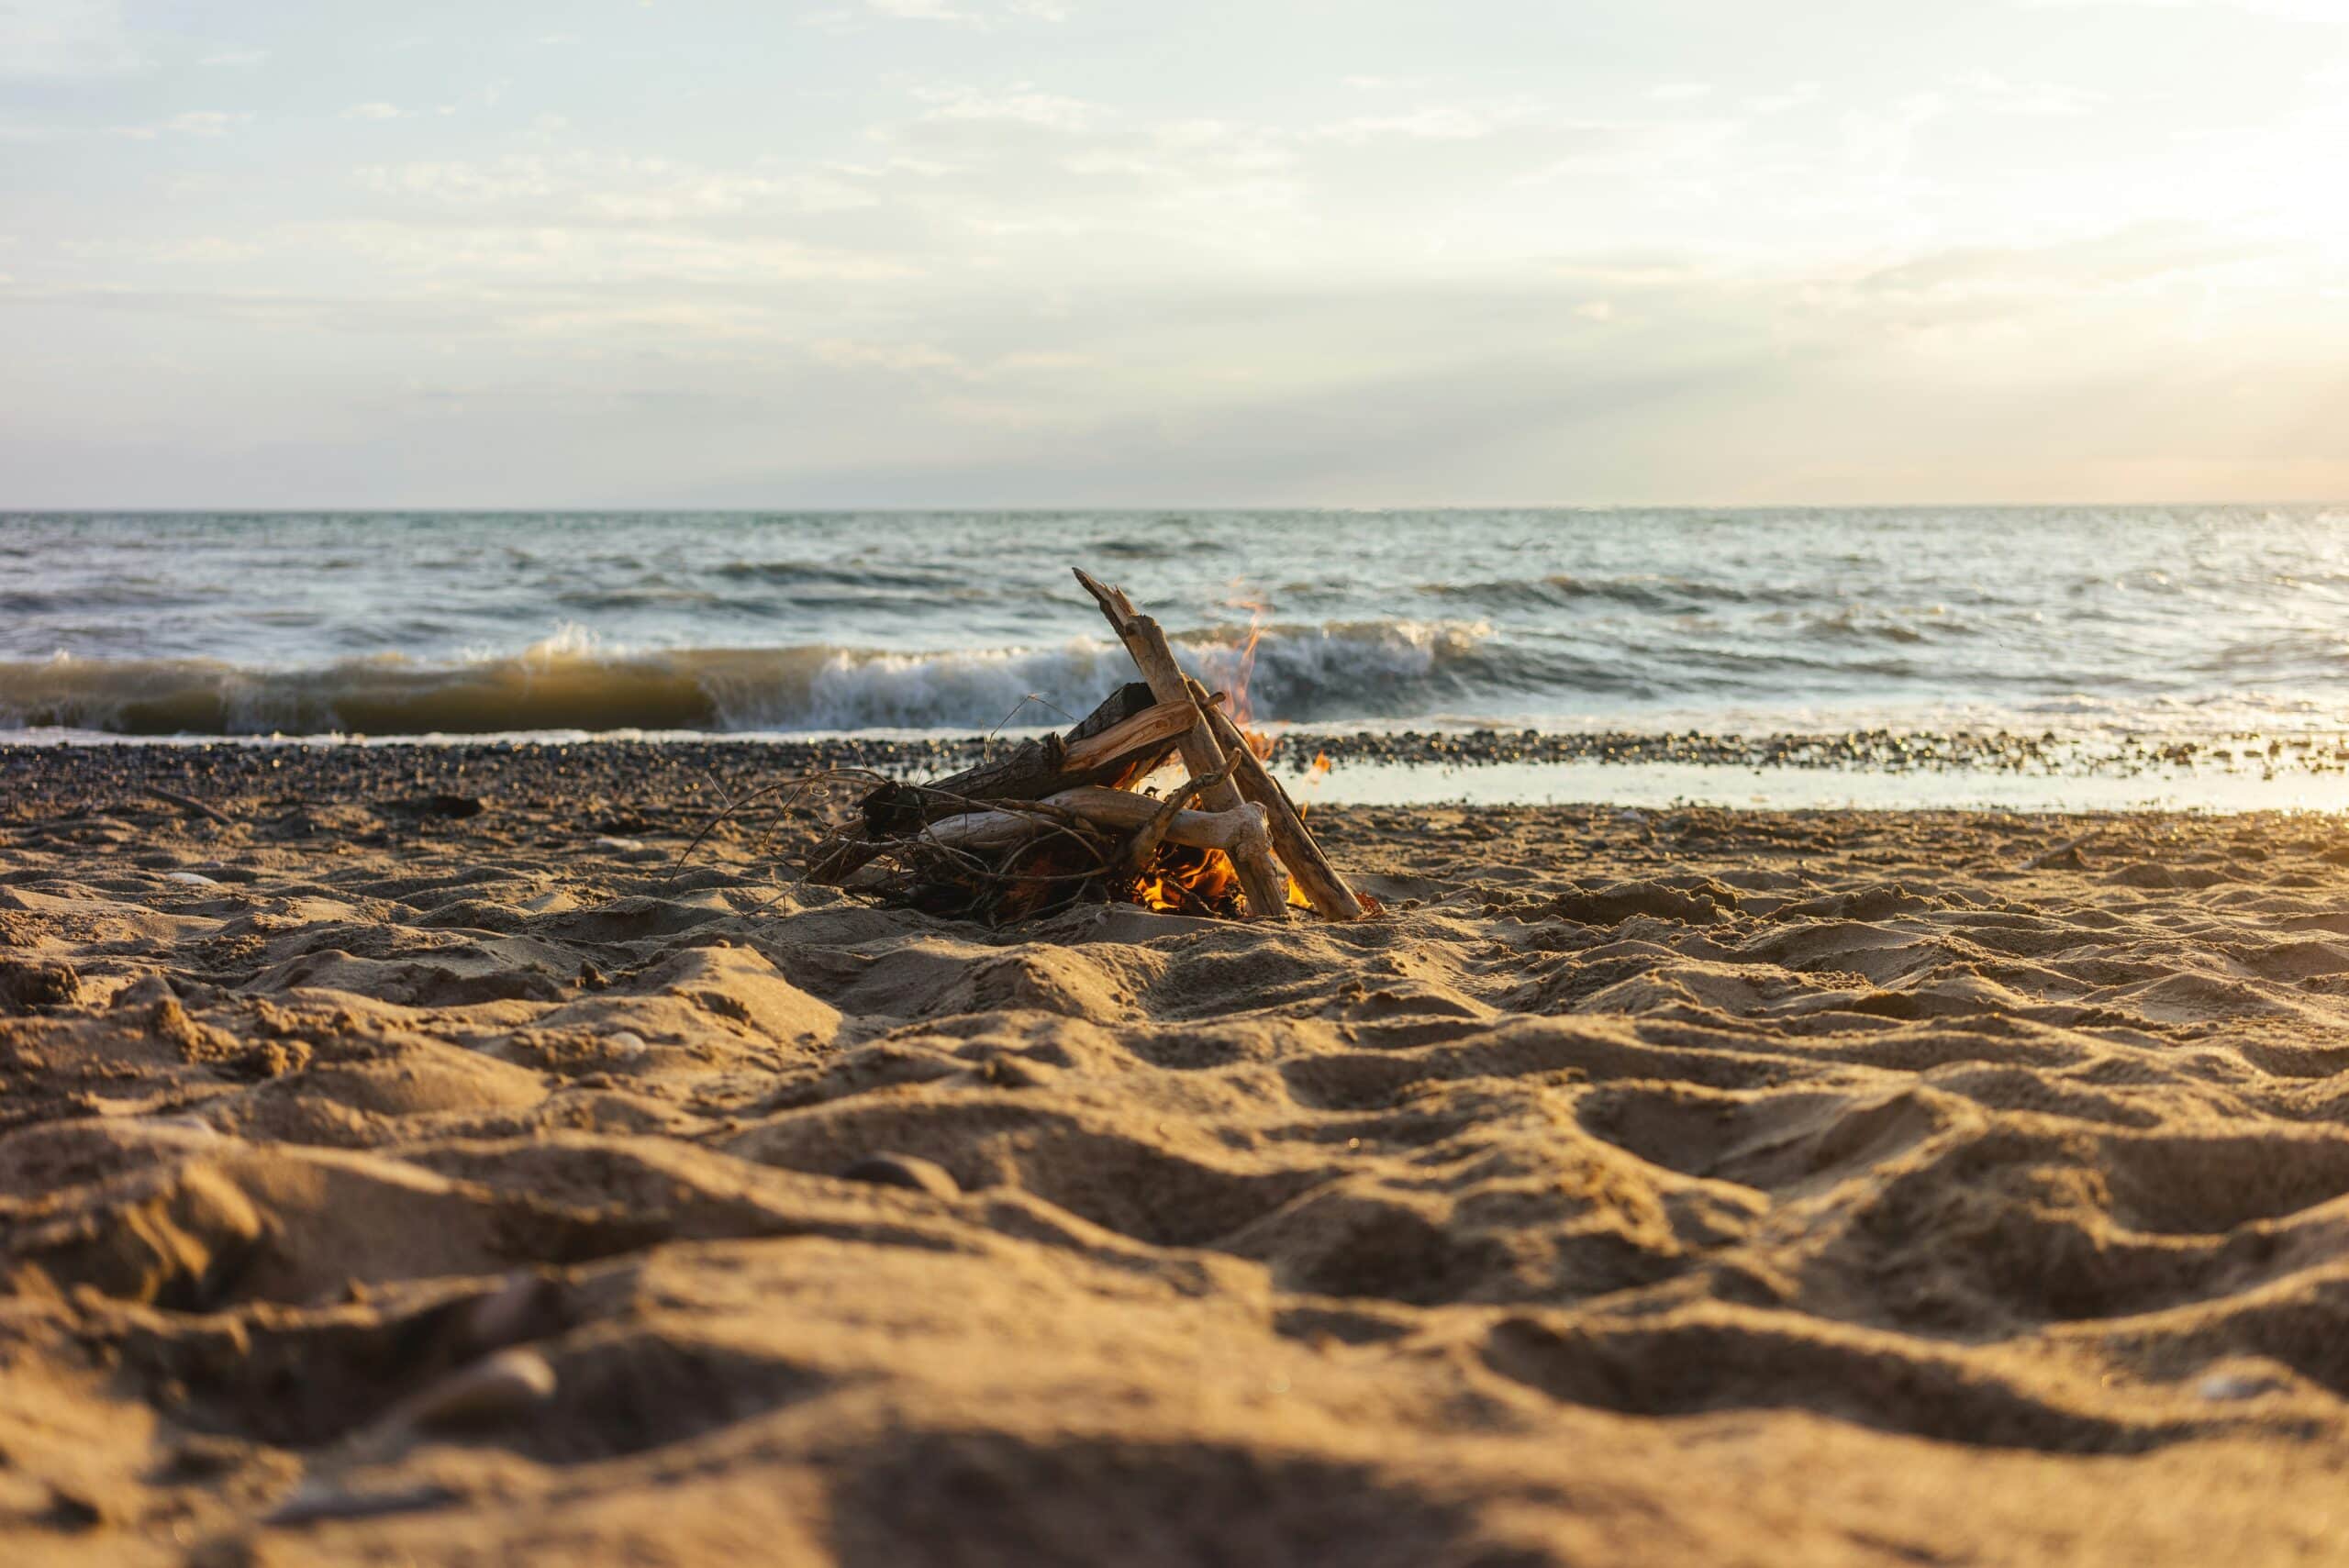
{"x": 1125, "y": 736}
{"x": 189, "y": 803}
{"x": 1319, "y": 881}
{"x": 1227, "y": 830}
{"x": 1143, "y": 846}
{"x": 1150, "y": 727}
{"x": 1261, "y": 876}
{"x": 1031, "y": 769}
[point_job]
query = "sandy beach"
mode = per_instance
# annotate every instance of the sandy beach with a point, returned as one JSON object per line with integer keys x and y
{"x": 407, "y": 1158}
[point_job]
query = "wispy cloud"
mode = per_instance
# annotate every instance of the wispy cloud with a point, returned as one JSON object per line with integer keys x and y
{"x": 2000, "y": 94}
{"x": 189, "y": 123}
{"x": 602, "y": 189}
{"x": 1439, "y": 123}
{"x": 65, "y": 39}
{"x": 922, "y": 10}
{"x": 1021, "y": 105}
{"x": 1061, "y": 252}
{"x": 969, "y": 15}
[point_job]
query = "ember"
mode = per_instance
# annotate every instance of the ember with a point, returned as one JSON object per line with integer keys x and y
{"x": 1061, "y": 819}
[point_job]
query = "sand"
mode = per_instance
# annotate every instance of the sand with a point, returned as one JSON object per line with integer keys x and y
{"x": 418, "y": 1166}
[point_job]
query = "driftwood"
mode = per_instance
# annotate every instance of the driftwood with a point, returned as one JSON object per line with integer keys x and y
{"x": 1316, "y": 877}
{"x": 1102, "y": 745}
{"x": 1060, "y": 818}
{"x": 1262, "y": 880}
{"x": 1119, "y": 741}
{"x": 1121, "y": 811}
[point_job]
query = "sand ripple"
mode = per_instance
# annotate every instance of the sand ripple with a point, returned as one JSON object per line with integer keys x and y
{"x": 1704, "y": 1188}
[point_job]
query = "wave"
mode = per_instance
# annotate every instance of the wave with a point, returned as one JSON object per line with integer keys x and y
{"x": 1642, "y": 590}
{"x": 832, "y": 574}
{"x": 1341, "y": 670}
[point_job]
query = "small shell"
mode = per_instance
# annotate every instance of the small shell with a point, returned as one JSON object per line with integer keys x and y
{"x": 2232, "y": 1386}
{"x": 489, "y": 1390}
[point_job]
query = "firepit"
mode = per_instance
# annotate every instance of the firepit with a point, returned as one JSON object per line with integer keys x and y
{"x": 1064, "y": 817}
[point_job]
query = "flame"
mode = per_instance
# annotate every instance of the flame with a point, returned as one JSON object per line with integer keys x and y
{"x": 1181, "y": 880}
{"x": 1190, "y": 881}
{"x": 1198, "y": 882}
{"x": 1243, "y": 667}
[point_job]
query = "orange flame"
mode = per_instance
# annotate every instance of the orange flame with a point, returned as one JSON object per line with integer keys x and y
{"x": 1242, "y": 712}
{"x": 1190, "y": 881}
{"x": 1316, "y": 772}
{"x": 1203, "y": 882}
{"x": 1199, "y": 881}
{"x": 1244, "y": 666}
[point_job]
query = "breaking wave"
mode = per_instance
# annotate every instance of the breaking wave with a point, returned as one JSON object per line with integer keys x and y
{"x": 1367, "y": 670}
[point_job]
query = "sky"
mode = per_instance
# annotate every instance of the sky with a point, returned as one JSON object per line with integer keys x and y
{"x": 1101, "y": 252}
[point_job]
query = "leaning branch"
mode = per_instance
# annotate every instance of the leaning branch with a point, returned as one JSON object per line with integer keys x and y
{"x": 1262, "y": 881}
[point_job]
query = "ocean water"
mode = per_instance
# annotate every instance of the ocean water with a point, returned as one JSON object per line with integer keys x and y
{"x": 2172, "y": 621}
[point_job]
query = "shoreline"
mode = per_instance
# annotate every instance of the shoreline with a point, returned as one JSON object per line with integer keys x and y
{"x": 1873, "y": 749}
{"x": 1874, "y": 770}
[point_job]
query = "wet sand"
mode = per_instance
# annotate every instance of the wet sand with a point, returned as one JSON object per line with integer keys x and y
{"x": 402, "y": 1157}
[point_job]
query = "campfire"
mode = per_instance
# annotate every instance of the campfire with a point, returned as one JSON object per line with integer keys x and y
{"x": 1066, "y": 817}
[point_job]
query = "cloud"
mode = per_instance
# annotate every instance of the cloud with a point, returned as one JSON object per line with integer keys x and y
{"x": 1796, "y": 96}
{"x": 190, "y": 122}
{"x": 847, "y": 354}
{"x": 495, "y": 255}
{"x": 2040, "y": 279}
{"x": 605, "y": 189}
{"x": 1436, "y": 124}
{"x": 946, "y": 11}
{"x": 1059, "y": 273}
{"x": 65, "y": 38}
{"x": 700, "y": 381}
{"x": 233, "y": 58}
{"x": 2312, "y": 10}
{"x": 1020, "y": 105}
{"x": 1999, "y": 95}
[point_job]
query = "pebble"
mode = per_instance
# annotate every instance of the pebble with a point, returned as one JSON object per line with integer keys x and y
{"x": 191, "y": 879}
{"x": 94, "y": 779}
{"x": 509, "y": 1314}
{"x": 444, "y": 803}
{"x": 489, "y": 1390}
{"x": 2232, "y": 1386}
{"x": 907, "y": 1171}
{"x": 626, "y": 1043}
{"x": 316, "y": 1500}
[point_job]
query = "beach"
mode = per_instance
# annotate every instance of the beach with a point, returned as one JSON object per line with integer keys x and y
{"x": 414, "y": 1153}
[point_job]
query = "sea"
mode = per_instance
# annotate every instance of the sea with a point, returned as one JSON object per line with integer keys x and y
{"x": 2224, "y": 625}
